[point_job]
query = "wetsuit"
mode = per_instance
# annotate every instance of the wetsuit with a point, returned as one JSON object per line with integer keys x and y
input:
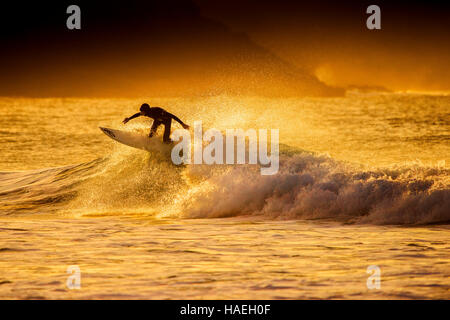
{"x": 159, "y": 116}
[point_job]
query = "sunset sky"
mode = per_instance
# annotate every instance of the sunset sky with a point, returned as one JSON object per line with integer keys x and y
{"x": 203, "y": 47}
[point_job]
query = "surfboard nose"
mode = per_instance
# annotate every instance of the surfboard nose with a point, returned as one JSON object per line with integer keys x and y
{"x": 108, "y": 132}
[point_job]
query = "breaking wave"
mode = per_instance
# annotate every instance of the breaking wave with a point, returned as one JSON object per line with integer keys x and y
{"x": 314, "y": 187}
{"x": 307, "y": 186}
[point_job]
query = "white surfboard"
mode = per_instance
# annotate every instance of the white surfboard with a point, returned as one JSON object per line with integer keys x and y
{"x": 138, "y": 140}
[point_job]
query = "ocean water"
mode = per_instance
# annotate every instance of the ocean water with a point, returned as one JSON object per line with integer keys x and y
{"x": 363, "y": 181}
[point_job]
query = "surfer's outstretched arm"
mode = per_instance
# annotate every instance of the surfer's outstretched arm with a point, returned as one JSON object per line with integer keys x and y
{"x": 131, "y": 118}
{"x": 184, "y": 125}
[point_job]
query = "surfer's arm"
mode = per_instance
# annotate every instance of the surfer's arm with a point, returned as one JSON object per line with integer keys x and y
{"x": 131, "y": 118}
{"x": 185, "y": 126}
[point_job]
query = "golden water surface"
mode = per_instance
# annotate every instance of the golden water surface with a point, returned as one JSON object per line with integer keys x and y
{"x": 363, "y": 180}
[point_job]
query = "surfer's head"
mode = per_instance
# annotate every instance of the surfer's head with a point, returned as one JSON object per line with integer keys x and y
{"x": 144, "y": 108}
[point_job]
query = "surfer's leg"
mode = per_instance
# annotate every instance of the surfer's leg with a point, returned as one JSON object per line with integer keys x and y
{"x": 166, "y": 137}
{"x": 154, "y": 127}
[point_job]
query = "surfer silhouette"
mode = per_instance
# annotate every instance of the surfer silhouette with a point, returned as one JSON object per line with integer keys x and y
{"x": 159, "y": 116}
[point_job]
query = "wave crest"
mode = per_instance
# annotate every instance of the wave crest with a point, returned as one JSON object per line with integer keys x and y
{"x": 307, "y": 186}
{"x": 312, "y": 187}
